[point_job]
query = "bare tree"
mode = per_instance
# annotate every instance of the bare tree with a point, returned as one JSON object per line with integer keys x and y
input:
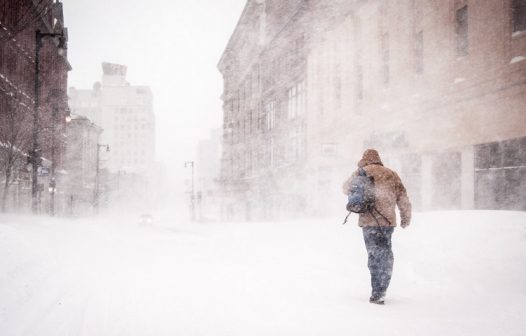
{"x": 15, "y": 137}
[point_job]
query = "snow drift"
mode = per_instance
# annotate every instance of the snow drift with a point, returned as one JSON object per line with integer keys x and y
{"x": 456, "y": 273}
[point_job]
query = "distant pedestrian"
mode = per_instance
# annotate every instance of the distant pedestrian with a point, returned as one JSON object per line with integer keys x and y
{"x": 379, "y": 221}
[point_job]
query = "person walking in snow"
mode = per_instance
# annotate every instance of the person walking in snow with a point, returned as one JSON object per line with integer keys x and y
{"x": 379, "y": 222}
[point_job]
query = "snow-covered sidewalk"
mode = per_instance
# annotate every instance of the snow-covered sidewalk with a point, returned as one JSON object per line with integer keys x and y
{"x": 456, "y": 273}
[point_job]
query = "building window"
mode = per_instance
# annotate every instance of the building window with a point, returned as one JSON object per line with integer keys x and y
{"x": 518, "y": 15}
{"x": 270, "y": 111}
{"x": 296, "y": 100}
{"x": 461, "y": 31}
{"x": 385, "y": 58}
{"x": 500, "y": 175}
{"x": 419, "y": 52}
{"x": 295, "y": 144}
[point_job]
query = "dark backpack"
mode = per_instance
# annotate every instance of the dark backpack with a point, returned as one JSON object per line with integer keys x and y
{"x": 361, "y": 195}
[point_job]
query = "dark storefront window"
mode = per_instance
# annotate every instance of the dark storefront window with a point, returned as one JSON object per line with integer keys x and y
{"x": 500, "y": 175}
{"x": 518, "y": 15}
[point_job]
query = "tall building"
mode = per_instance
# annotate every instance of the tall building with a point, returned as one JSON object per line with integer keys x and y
{"x": 438, "y": 88}
{"x": 264, "y": 68}
{"x": 440, "y": 93}
{"x": 81, "y": 165}
{"x": 125, "y": 113}
{"x": 21, "y": 127}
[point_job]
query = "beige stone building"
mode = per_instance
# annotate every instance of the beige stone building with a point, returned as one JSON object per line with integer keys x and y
{"x": 264, "y": 68}
{"x": 125, "y": 112}
{"x": 437, "y": 87}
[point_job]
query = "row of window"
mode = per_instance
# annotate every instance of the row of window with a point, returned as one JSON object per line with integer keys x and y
{"x": 276, "y": 154}
{"x": 19, "y": 70}
{"x": 128, "y": 127}
{"x": 266, "y": 73}
{"x": 518, "y": 16}
{"x": 296, "y": 105}
{"x": 281, "y": 65}
{"x": 518, "y": 10}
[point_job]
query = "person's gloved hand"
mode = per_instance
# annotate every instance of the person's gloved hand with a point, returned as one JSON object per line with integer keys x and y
{"x": 404, "y": 224}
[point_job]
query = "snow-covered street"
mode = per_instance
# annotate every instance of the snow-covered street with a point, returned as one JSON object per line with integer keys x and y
{"x": 456, "y": 273}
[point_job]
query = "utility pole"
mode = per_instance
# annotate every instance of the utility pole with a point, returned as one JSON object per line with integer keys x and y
{"x": 96, "y": 195}
{"x": 192, "y": 195}
{"x": 35, "y": 155}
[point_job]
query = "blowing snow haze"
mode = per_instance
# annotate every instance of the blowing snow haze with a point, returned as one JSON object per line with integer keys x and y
{"x": 438, "y": 90}
{"x": 253, "y": 110}
{"x": 147, "y": 147}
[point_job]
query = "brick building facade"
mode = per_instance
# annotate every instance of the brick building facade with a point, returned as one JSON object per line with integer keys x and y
{"x": 19, "y": 21}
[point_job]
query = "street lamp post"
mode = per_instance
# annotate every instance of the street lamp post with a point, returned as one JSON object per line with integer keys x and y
{"x": 192, "y": 196}
{"x": 35, "y": 155}
{"x": 96, "y": 195}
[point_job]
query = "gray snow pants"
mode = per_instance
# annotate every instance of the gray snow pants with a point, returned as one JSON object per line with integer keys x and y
{"x": 380, "y": 257}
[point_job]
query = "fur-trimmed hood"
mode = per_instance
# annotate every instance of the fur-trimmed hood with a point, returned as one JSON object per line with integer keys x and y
{"x": 370, "y": 156}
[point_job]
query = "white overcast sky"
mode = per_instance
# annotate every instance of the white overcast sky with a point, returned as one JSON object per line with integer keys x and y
{"x": 171, "y": 45}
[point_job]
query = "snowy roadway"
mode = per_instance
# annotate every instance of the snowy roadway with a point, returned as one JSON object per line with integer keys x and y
{"x": 456, "y": 273}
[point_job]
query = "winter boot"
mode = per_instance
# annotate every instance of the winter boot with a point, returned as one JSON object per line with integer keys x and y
{"x": 377, "y": 299}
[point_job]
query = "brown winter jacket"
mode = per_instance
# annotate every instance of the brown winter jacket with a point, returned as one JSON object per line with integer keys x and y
{"x": 389, "y": 191}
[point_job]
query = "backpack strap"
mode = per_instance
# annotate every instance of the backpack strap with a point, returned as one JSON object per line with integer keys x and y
{"x": 345, "y": 221}
{"x": 377, "y": 222}
{"x": 377, "y": 211}
{"x": 362, "y": 172}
